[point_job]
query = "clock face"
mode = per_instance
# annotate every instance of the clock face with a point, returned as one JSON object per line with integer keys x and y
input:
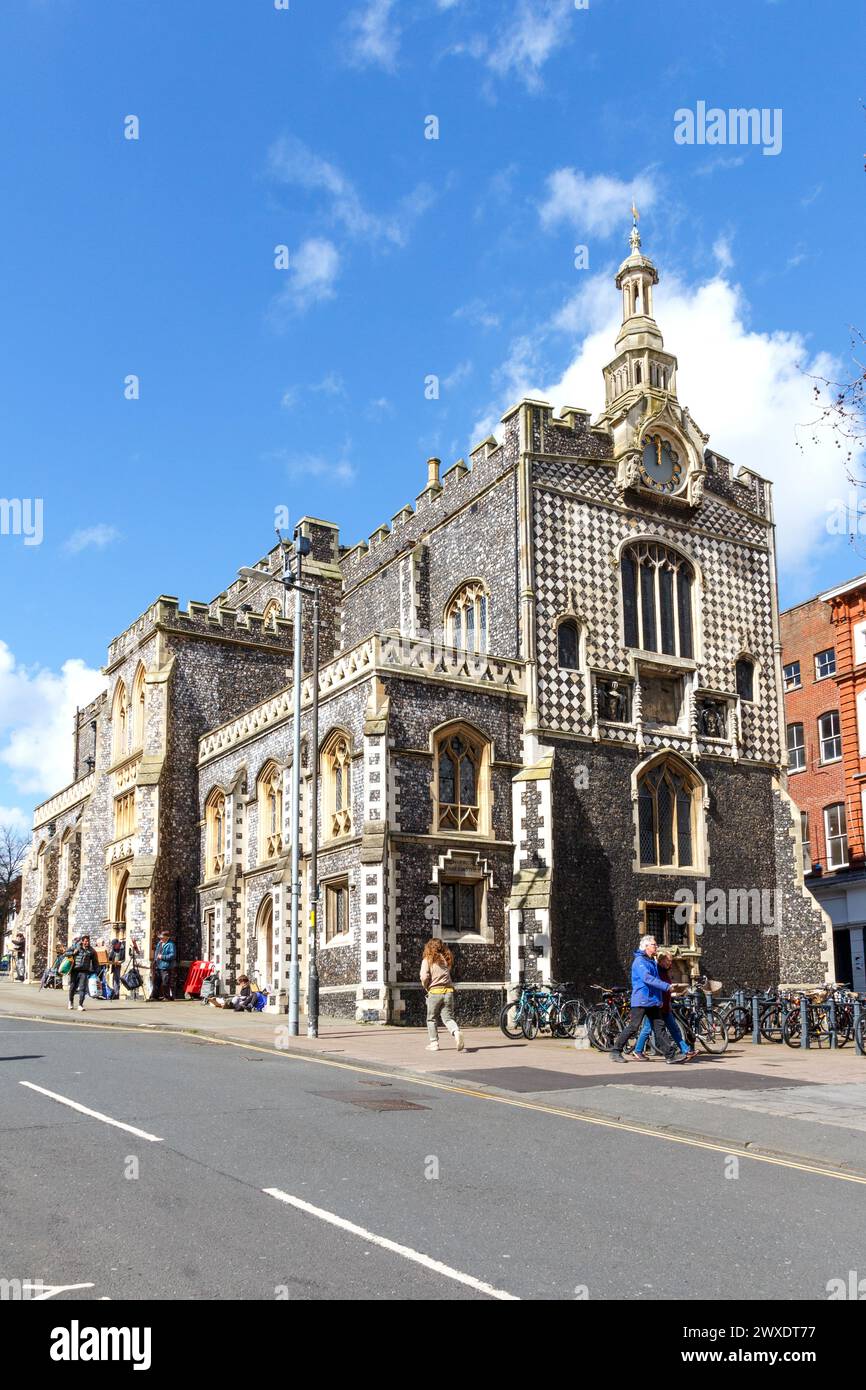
{"x": 660, "y": 464}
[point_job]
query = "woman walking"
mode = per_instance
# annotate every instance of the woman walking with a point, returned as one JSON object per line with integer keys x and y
{"x": 84, "y": 964}
{"x": 436, "y": 966}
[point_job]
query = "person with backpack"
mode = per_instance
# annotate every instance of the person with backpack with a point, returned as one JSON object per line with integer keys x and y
{"x": 163, "y": 966}
{"x": 84, "y": 964}
{"x": 436, "y": 966}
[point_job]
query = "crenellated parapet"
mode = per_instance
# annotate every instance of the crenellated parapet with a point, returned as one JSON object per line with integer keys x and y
{"x": 63, "y": 800}
{"x": 376, "y": 655}
{"x": 199, "y": 620}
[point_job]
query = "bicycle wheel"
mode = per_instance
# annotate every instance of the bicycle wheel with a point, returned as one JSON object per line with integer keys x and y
{"x": 711, "y": 1034}
{"x": 791, "y": 1030}
{"x": 566, "y": 1021}
{"x": 529, "y": 1022}
{"x": 861, "y": 1033}
{"x": 771, "y": 1023}
{"x": 510, "y": 1019}
{"x": 605, "y": 1029}
{"x": 737, "y": 1021}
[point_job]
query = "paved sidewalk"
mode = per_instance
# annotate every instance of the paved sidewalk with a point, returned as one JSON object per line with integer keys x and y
{"x": 807, "y": 1104}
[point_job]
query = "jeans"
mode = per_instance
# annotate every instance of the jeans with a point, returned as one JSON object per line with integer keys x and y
{"x": 162, "y": 983}
{"x": 639, "y": 1013}
{"x": 439, "y": 1006}
{"x": 673, "y": 1028}
{"x": 77, "y": 981}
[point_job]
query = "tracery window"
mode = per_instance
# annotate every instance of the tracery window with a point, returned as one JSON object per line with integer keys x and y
{"x": 657, "y": 588}
{"x": 459, "y": 767}
{"x": 138, "y": 709}
{"x": 338, "y": 787}
{"x": 215, "y": 834}
{"x": 124, "y": 815}
{"x": 119, "y": 723}
{"x": 270, "y": 800}
{"x": 668, "y": 812}
{"x": 467, "y": 618}
{"x": 273, "y": 610}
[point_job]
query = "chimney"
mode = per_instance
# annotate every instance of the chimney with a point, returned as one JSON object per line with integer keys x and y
{"x": 433, "y": 472}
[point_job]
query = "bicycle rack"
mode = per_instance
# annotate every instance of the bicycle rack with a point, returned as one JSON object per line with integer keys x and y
{"x": 804, "y": 1022}
{"x": 756, "y": 1026}
{"x": 858, "y": 1005}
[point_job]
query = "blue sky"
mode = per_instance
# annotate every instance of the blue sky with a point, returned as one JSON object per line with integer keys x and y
{"x": 304, "y": 387}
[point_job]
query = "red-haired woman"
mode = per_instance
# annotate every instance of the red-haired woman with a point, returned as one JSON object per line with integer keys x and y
{"x": 436, "y": 966}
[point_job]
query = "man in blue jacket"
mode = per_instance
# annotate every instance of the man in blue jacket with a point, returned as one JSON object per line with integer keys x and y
{"x": 163, "y": 966}
{"x": 647, "y": 991}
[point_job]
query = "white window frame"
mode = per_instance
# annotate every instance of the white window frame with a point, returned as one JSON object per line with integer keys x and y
{"x": 825, "y": 675}
{"x": 794, "y": 681}
{"x": 834, "y": 739}
{"x": 859, "y": 643}
{"x": 840, "y": 837}
{"x": 797, "y": 748}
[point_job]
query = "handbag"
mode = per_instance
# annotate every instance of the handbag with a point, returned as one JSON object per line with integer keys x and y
{"x": 65, "y": 965}
{"x": 132, "y": 979}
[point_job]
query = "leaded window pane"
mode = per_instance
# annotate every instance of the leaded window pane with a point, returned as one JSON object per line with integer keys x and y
{"x": 646, "y": 822}
{"x": 648, "y": 607}
{"x": 664, "y": 810}
{"x": 467, "y": 781}
{"x": 666, "y": 606}
{"x": 684, "y": 829}
{"x": 447, "y": 898}
{"x": 629, "y": 599}
{"x": 684, "y": 606}
{"x": 568, "y": 645}
{"x": 447, "y": 784}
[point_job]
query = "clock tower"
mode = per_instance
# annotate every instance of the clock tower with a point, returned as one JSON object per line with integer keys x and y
{"x": 657, "y": 445}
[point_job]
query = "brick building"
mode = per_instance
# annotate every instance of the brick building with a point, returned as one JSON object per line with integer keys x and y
{"x": 550, "y": 718}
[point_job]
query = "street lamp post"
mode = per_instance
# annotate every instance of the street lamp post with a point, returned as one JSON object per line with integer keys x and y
{"x": 302, "y": 548}
{"x": 313, "y": 972}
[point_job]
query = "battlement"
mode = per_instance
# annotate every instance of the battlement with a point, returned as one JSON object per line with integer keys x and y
{"x": 743, "y": 488}
{"x": 441, "y": 497}
{"x": 76, "y": 792}
{"x": 199, "y": 620}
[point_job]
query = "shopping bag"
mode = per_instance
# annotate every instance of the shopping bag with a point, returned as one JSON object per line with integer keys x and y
{"x": 132, "y": 979}
{"x": 93, "y": 986}
{"x": 65, "y": 965}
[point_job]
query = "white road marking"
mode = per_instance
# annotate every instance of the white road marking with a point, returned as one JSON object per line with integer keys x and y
{"x": 94, "y": 1114}
{"x": 49, "y": 1290}
{"x": 382, "y": 1241}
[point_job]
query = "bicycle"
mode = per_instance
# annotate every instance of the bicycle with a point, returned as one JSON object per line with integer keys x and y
{"x": 606, "y": 1020}
{"x": 818, "y": 1018}
{"x": 698, "y": 1024}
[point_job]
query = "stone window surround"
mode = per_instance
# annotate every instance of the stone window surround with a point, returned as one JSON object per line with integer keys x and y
{"x": 470, "y": 731}
{"x": 468, "y": 866}
{"x": 343, "y": 880}
{"x": 700, "y": 806}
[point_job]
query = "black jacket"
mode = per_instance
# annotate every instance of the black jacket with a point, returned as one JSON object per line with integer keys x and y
{"x": 84, "y": 958}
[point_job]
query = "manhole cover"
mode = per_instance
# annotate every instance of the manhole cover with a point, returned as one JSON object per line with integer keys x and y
{"x": 367, "y": 1102}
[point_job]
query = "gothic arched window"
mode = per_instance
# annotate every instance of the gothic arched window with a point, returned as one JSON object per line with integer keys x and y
{"x": 119, "y": 723}
{"x": 657, "y": 587}
{"x": 215, "y": 834}
{"x": 337, "y": 758}
{"x": 270, "y": 800}
{"x": 459, "y": 776}
{"x": 745, "y": 676}
{"x": 467, "y": 618}
{"x": 138, "y": 709}
{"x": 668, "y": 811}
{"x": 568, "y": 645}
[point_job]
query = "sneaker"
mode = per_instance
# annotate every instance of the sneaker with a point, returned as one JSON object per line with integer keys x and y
{"x": 81, "y": 1008}
{"x": 70, "y": 1005}
{"x": 675, "y": 1057}
{"x": 432, "y": 1047}
{"x": 641, "y": 1057}
{"x": 458, "y": 1038}
{"x": 617, "y": 1057}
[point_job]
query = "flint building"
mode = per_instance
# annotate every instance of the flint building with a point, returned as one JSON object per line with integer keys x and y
{"x": 549, "y": 702}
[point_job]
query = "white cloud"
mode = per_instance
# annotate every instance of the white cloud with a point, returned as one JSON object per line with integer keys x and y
{"x": 722, "y": 252}
{"x": 477, "y": 313}
{"x": 330, "y": 385}
{"x": 374, "y": 38}
{"x": 312, "y": 273}
{"x": 597, "y": 204}
{"x": 523, "y": 45}
{"x": 752, "y": 391}
{"x": 339, "y": 469}
{"x": 37, "y": 707}
{"x": 461, "y": 373}
{"x": 92, "y": 537}
{"x": 292, "y": 162}
{"x": 15, "y": 819}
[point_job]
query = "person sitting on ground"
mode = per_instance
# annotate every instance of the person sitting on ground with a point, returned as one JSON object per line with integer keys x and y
{"x": 665, "y": 961}
{"x": 244, "y": 1002}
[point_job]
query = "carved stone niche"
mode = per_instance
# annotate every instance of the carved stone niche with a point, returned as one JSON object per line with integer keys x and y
{"x": 712, "y": 719}
{"x": 614, "y": 701}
